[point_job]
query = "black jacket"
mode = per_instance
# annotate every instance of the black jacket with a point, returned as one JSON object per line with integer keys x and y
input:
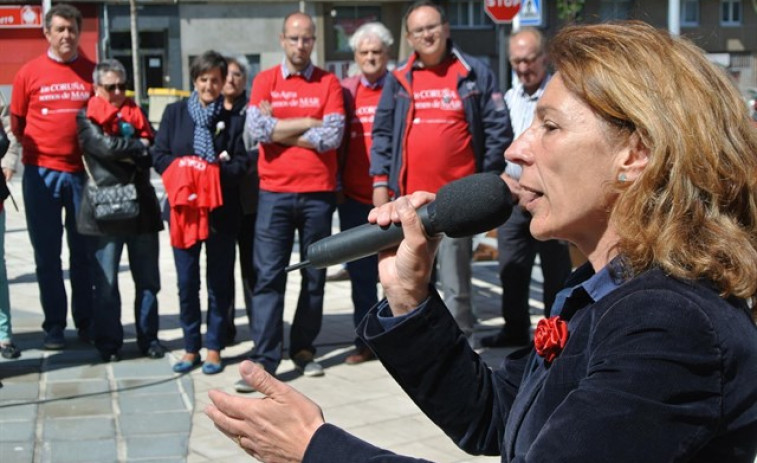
{"x": 113, "y": 160}
{"x": 4, "y": 144}
{"x": 175, "y": 139}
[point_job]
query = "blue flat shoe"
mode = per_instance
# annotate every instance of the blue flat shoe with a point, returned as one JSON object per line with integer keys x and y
{"x": 210, "y": 368}
{"x": 184, "y": 366}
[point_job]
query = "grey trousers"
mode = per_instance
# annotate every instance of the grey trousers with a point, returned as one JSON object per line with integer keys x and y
{"x": 454, "y": 276}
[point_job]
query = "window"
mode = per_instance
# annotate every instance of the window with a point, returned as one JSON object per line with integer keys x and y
{"x": 730, "y": 12}
{"x": 690, "y": 13}
{"x": 614, "y": 9}
{"x": 346, "y": 20}
{"x": 467, "y": 13}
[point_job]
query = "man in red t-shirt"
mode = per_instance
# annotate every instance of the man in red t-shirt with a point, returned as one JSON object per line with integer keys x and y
{"x": 47, "y": 93}
{"x": 440, "y": 118}
{"x": 371, "y": 43}
{"x": 296, "y": 114}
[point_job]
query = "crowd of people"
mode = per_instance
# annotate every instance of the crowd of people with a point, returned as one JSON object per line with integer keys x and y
{"x": 656, "y": 327}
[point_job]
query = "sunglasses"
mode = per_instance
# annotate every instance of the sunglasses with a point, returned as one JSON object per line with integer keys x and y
{"x": 110, "y": 88}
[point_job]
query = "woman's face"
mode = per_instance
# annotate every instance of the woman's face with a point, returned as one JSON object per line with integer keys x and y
{"x": 569, "y": 163}
{"x": 209, "y": 85}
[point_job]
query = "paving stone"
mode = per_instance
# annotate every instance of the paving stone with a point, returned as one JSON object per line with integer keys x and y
{"x": 75, "y": 428}
{"x": 151, "y": 403}
{"x": 68, "y": 372}
{"x": 12, "y": 411}
{"x": 132, "y": 387}
{"x": 86, "y": 406}
{"x": 80, "y": 451}
{"x": 143, "y": 368}
{"x": 167, "y": 445}
{"x": 59, "y": 389}
{"x": 16, "y": 431}
{"x": 155, "y": 423}
{"x": 19, "y": 391}
{"x": 17, "y": 452}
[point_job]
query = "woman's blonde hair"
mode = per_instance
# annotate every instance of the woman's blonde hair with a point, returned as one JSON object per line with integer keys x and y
{"x": 693, "y": 209}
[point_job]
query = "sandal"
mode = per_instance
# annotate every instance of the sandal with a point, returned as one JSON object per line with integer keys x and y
{"x": 10, "y": 351}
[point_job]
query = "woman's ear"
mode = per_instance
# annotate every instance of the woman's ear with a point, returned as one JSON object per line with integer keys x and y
{"x": 634, "y": 160}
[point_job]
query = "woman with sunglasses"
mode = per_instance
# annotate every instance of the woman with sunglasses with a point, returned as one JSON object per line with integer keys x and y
{"x": 114, "y": 134}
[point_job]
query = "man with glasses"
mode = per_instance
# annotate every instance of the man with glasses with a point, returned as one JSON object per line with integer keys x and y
{"x": 296, "y": 114}
{"x": 440, "y": 118}
{"x": 47, "y": 93}
{"x": 517, "y": 248}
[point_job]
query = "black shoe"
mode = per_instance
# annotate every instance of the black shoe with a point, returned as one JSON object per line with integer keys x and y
{"x": 505, "y": 339}
{"x": 108, "y": 357}
{"x": 54, "y": 339}
{"x": 84, "y": 335}
{"x": 155, "y": 351}
{"x": 10, "y": 351}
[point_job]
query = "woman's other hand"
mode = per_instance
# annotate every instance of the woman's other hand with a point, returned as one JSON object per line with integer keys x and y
{"x": 276, "y": 428}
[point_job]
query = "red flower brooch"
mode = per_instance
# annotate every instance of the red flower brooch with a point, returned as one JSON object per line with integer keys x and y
{"x": 550, "y": 337}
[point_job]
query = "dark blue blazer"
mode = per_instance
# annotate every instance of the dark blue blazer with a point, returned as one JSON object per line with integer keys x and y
{"x": 175, "y": 138}
{"x": 659, "y": 370}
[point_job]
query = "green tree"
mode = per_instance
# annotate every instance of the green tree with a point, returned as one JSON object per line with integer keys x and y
{"x": 570, "y": 10}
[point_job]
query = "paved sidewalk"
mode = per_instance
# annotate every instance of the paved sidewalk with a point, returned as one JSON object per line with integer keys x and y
{"x": 67, "y": 406}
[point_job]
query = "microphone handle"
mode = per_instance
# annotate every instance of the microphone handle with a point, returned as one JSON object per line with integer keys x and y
{"x": 358, "y": 242}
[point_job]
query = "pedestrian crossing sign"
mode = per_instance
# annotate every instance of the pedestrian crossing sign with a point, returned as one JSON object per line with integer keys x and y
{"x": 531, "y": 13}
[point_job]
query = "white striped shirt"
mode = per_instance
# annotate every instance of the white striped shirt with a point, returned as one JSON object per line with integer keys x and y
{"x": 522, "y": 107}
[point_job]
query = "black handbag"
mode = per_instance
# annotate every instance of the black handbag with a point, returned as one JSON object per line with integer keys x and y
{"x": 117, "y": 202}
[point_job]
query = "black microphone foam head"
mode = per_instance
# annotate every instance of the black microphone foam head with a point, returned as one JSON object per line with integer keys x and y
{"x": 471, "y": 205}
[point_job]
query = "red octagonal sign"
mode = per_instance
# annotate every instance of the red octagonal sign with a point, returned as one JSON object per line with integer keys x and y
{"x": 502, "y": 11}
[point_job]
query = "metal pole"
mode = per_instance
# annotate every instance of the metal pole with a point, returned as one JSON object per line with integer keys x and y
{"x": 674, "y": 17}
{"x": 503, "y": 41}
{"x": 135, "y": 52}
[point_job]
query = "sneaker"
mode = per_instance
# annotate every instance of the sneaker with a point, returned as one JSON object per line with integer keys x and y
{"x": 10, "y": 351}
{"x": 109, "y": 357}
{"x": 305, "y": 364}
{"x": 54, "y": 340}
{"x": 340, "y": 275}
{"x": 155, "y": 351}
{"x": 242, "y": 387}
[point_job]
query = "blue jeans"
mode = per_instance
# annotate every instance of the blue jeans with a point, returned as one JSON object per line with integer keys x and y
{"x": 279, "y": 216}
{"x": 363, "y": 272}
{"x": 47, "y": 193}
{"x": 143, "y": 263}
{"x": 219, "y": 274}
{"x": 6, "y": 333}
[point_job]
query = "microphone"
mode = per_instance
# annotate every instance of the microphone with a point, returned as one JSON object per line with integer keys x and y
{"x": 468, "y": 206}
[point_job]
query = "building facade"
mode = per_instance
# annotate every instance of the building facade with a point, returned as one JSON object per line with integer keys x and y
{"x": 172, "y": 32}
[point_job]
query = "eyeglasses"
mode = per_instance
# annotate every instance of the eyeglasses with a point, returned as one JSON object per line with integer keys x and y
{"x": 294, "y": 40}
{"x": 110, "y": 88}
{"x": 528, "y": 60}
{"x": 419, "y": 32}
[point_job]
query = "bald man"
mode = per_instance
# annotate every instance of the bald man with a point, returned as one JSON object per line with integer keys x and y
{"x": 296, "y": 115}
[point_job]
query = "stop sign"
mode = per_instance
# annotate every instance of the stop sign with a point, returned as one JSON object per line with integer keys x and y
{"x": 502, "y": 11}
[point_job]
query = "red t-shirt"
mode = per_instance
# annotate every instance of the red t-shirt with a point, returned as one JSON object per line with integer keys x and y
{"x": 356, "y": 182}
{"x": 292, "y": 169}
{"x": 438, "y": 148}
{"x": 48, "y": 94}
{"x": 194, "y": 189}
{"x": 107, "y": 116}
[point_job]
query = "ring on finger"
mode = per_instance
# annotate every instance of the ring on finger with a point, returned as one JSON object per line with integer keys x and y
{"x": 238, "y": 440}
